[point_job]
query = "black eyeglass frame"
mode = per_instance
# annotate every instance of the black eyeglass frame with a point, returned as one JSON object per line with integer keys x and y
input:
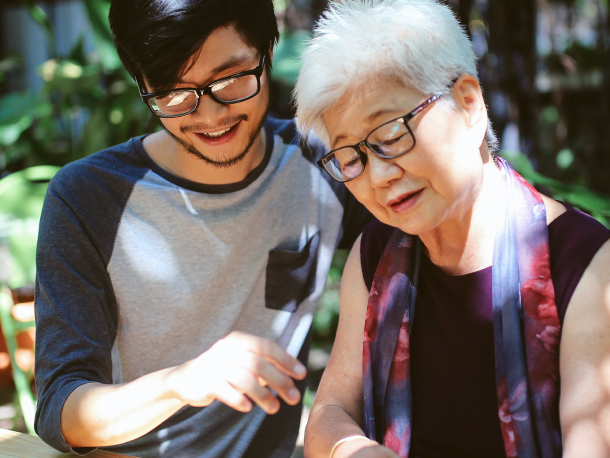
{"x": 363, "y": 156}
{"x": 200, "y": 92}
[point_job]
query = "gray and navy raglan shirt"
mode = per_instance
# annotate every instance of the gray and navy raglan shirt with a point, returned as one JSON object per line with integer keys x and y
{"x": 140, "y": 270}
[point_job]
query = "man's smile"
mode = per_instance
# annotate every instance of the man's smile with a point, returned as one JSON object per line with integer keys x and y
{"x": 218, "y": 137}
{"x": 216, "y": 134}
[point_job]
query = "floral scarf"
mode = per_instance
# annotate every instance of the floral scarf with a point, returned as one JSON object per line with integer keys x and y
{"x": 526, "y": 331}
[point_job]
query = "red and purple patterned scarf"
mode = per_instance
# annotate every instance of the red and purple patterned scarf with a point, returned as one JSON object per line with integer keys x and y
{"x": 526, "y": 332}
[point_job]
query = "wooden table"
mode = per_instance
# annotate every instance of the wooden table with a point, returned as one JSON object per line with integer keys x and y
{"x": 18, "y": 445}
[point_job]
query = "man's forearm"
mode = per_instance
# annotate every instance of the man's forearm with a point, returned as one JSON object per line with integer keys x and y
{"x": 238, "y": 370}
{"x": 97, "y": 415}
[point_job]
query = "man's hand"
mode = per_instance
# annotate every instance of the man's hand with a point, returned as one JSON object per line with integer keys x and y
{"x": 238, "y": 367}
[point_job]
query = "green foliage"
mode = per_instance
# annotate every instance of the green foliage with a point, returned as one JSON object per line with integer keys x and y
{"x": 327, "y": 317}
{"x": 97, "y": 10}
{"x": 87, "y": 102}
{"x": 17, "y": 113}
{"x": 41, "y": 18}
{"x": 578, "y": 196}
{"x": 286, "y": 57}
{"x": 21, "y": 198}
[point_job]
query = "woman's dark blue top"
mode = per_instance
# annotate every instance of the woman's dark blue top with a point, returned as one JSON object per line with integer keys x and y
{"x": 455, "y": 411}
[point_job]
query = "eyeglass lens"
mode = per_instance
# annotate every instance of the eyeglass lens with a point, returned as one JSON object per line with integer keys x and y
{"x": 388, "y": 140}
{"x": 228, "y": 90}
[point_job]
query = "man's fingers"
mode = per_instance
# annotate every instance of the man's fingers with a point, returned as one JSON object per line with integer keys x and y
{"x": 270, "y": 351}
{"x": 232, "y": 397}
{"x": 245, "y": 382}
{"x": 274, "y": 378}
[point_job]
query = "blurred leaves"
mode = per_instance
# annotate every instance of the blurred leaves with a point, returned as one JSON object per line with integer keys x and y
{"x": 41, "y": 18}
{"x": 87, "y": 102}
{"x": 327, "y": 317}
{"x": 578, "y": 196}
{"x": 97, "y": 11}
{"x": 286, "y": 56}
{"x": 18, "y": 111}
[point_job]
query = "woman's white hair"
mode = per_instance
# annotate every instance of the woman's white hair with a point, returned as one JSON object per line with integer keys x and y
{"x": 420, "y": 42}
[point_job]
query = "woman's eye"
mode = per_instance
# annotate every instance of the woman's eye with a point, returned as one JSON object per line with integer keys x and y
{"x": 355, "y": 161}
{"x": 391, "y": 141}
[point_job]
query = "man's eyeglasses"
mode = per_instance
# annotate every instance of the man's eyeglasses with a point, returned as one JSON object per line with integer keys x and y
{"x": 182, "y": 101}
{"x": 391, "y": 139}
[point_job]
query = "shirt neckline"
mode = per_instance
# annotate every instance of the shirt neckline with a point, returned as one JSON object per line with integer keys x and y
{"x": 209, "y": 188}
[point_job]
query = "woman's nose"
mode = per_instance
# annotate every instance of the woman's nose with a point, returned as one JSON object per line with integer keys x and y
{"x": 382, "y": 171}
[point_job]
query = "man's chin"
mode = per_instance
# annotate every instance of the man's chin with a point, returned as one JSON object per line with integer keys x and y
{"x": 222, "y": 161}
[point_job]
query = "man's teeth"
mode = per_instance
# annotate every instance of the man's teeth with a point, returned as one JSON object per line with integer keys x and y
{"x": 217, "y": 134}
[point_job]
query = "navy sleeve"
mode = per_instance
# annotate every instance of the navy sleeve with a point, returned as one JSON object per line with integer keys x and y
{"x": 76, "y": 310}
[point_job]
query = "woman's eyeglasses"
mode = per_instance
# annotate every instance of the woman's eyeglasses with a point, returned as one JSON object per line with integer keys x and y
{"x": 230, "y": 89}
{"x": 391, "y": 139}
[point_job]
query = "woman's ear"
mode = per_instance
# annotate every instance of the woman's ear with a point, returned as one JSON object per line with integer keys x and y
{"x": 468, "y": 97}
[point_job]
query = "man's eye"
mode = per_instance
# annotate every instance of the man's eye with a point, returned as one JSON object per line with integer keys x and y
{"x": 177, "y": 98}
{"x": 222, "y": 84}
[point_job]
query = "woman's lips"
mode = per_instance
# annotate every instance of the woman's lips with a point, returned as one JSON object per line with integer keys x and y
{"x": 405, "y": 202}
{"x": 224, "y": 138}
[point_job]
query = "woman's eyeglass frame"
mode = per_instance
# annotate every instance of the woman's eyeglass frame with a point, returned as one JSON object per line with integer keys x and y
{"x": 206, "y": 90}
{"x": 363, "y": 156}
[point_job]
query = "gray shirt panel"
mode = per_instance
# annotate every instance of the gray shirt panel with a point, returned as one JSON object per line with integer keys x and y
{"x": 176, "y": 296}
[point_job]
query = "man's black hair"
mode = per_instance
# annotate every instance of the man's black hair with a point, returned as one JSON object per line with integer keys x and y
{"x": 156, "y": 39}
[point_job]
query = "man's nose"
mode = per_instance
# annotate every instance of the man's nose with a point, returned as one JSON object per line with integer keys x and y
{"x": 209, "y": 110}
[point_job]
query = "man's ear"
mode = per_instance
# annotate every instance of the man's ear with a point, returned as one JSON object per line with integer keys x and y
{"x": 468, "y": 97}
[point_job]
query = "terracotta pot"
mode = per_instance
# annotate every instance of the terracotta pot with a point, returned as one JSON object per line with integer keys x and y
{"x": 22, "y": 311}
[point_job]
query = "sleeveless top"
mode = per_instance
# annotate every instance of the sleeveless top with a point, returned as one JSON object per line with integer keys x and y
{"x": 452, "y": 344}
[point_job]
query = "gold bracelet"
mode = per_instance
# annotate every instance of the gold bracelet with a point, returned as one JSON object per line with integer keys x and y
{"x": 343, "y": 441}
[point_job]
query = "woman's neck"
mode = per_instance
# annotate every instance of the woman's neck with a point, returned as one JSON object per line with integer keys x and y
{"x": 464, "y": 242}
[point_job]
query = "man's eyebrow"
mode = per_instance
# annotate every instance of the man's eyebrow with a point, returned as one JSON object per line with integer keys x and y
{"x": 232, "y": 62}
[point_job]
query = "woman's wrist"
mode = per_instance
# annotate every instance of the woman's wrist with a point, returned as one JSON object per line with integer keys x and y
{"x": 348, "y": 445}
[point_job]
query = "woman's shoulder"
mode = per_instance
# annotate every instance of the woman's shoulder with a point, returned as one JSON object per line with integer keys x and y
{"x": 574, "y": 239}
{"x": 372, "y": 244}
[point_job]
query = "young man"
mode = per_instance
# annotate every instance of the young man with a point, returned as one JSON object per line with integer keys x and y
{"x": 178, "y": 272}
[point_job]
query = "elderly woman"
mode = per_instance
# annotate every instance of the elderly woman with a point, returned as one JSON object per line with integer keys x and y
{"x": 484, "y": 305}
